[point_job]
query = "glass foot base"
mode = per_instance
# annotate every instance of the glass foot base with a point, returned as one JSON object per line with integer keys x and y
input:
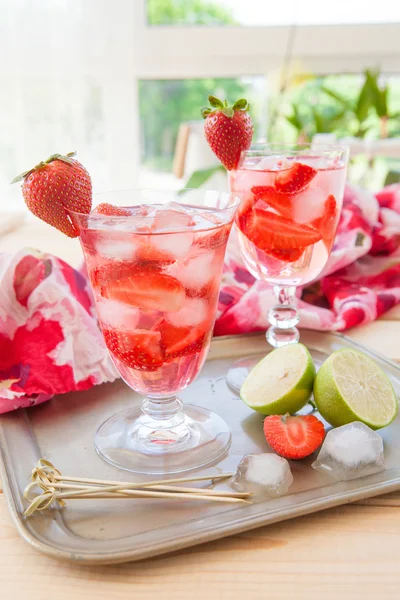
{"x": 126, "y": 441}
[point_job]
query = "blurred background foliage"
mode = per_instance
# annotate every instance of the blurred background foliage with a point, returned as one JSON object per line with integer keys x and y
{"x": 289, "y": 106}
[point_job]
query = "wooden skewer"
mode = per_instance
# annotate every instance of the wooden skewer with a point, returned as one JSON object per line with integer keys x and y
{"x": 166, "y": 488}
{"x": 144, "y": 494}
{"x": 144, "y": 483}
{"x": 57, "y": 487}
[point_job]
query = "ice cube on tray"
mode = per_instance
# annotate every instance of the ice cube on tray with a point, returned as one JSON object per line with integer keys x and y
{"x": 266, "y": 474}
{"x": 351, "y": 451}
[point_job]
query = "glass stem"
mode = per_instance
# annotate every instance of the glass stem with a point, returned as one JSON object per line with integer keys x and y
{"x": 163, "y": 421}
{"x": 283, "y": 317}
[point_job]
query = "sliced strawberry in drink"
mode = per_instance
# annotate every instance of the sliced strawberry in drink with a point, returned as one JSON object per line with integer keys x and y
{"x": 180, "y": 341}
{"x": 138, "y": 349}
{"x": 106, "y": 274}
{"x": 147, "y": 253}
{"x": 212, "y": 239}
{"x": 111, "y": 211}
{"x": 151, "y": 291}
{"x": 271, "y": 232}
{"x": 295, "y": 179}
{"x": 326, "y": 223}
{"x": 279, "y": 201}
{"x": 286, "y": 255}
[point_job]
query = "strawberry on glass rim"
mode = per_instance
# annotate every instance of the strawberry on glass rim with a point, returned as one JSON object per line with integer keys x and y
{"x": 155, "y": 268}
{"x": 56, "y": 186}
{"x": 291, "y": 197}
{"x": 228, "y": 129}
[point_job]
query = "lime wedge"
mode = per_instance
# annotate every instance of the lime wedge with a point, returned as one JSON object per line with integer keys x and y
{"x": 351, "y": 387}
{"x": 281, "y": 382}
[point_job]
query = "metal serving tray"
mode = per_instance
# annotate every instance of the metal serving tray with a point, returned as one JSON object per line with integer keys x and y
{"x": 103, "y": 531}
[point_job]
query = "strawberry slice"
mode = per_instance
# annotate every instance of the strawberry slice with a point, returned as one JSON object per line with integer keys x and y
{"x": 149, "y": 254}
{"x": 180, "y": 341}
{"x": 326, "y": 223}
{"x": 107, "y": 273}
{"x": 271, "y": 232}
{"x": 151, "y": 291}
{"x": 294, "y": 437}
{"x": 111, "y": 211}
{"x": 295, "y": 179}
{"x": 211, "y": 240}
{"x": 281, "y": 202}
{"x": 138, "y": 349}
{"x": 287, "y": 255}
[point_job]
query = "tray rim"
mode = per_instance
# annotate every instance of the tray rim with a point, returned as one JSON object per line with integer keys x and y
{"x": 246, "y": 523}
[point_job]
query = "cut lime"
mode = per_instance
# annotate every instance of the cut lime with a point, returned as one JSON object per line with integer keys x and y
{"x": 281, "y": 382}
{"x": 351, "y": 387}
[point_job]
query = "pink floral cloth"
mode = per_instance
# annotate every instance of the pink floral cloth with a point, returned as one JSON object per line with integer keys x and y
{"x": 50, "y": 342}
{"x": 360, "y": 282}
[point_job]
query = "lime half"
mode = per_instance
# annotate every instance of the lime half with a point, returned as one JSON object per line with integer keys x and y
{"x": 351, "y": 387}
{"x": 281, "y": 382}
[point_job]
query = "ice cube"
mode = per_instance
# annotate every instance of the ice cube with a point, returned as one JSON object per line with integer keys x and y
{"x": 309, "y": 205}
{"x": 172, "y": 216}
{"x": 193, "y": 312}
{"x": 273, "y": 163}
{"x": 114, "y": 246}
{"x": 267, "y": 474}
{"x": 351, "y": 451}
{"x": 117, "y": 314}
{"x": 206, "y": 221}
{"x": 197, "y": 271}
{"x": 177, "y": 244}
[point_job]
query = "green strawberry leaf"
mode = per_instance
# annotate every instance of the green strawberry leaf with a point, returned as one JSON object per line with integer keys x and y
{"x": 215, "y": 102}
{"x": 240, "y": 104}
{"x": 205, "y": 111}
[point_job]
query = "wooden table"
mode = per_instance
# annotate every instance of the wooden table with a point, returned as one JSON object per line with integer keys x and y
{"x": 347, "y": 553}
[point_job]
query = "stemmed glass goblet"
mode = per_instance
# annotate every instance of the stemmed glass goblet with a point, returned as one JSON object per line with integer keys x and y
{"x": 291, "y": 197}
{"x": 155, "y": 266}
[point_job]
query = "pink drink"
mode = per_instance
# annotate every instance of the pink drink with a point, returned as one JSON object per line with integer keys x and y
{"x": 155, "y": 275}
{"x": 289, "y": 214}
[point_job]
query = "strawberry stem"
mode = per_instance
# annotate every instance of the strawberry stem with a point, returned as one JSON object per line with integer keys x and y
{"x": 216, "y": 105}
{"x": 67, "y": 158}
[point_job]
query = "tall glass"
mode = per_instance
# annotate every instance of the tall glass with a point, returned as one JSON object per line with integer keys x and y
{"x": 155, "y": 272}
{"x": 291, "y": 198}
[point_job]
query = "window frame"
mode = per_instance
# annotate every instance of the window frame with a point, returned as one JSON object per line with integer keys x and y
{"x": 177, "y": 52}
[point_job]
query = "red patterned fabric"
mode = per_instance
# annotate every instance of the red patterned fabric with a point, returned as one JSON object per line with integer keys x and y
{"x": 50, "y": 342}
